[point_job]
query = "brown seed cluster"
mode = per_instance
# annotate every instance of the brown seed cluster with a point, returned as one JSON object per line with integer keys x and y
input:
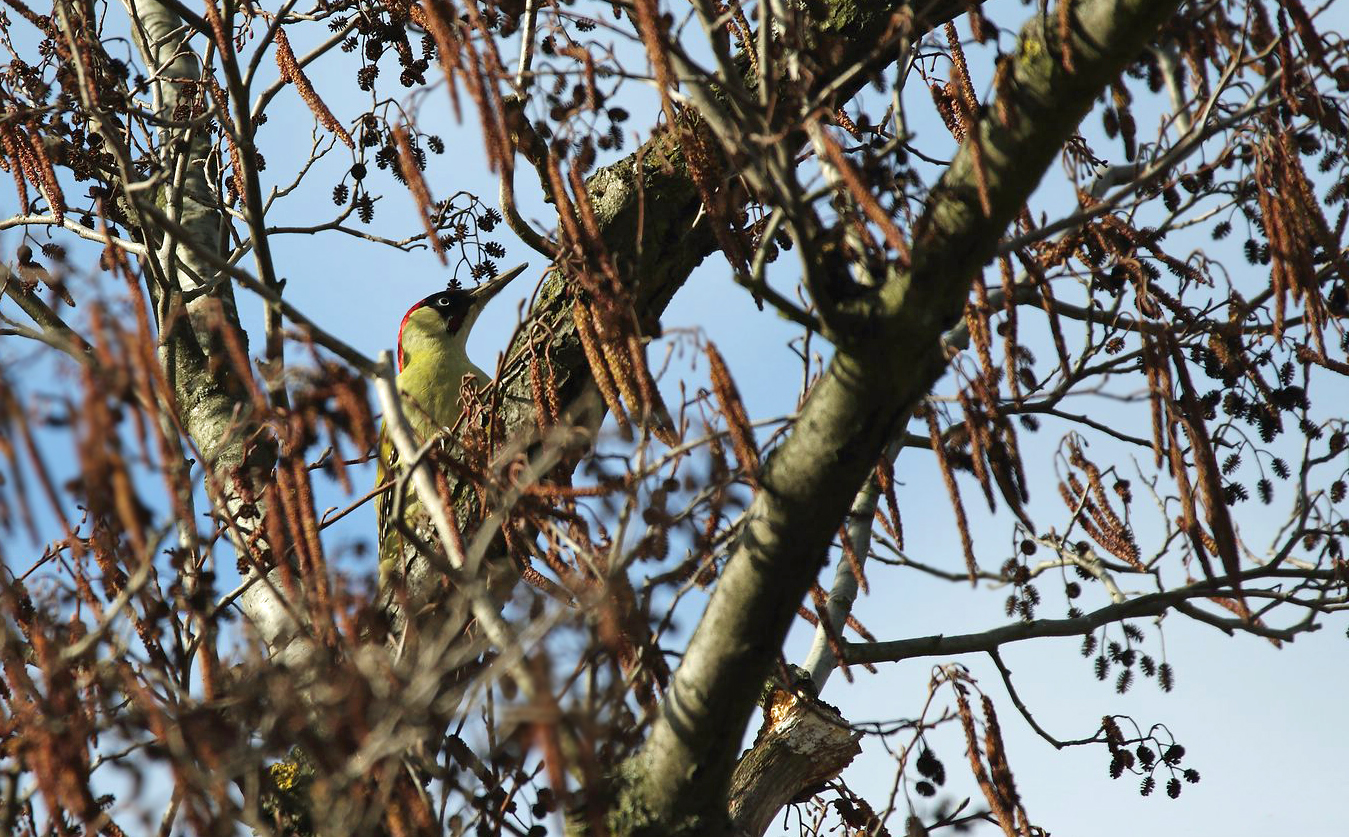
{"x": 990, "y": 767}
{"x": 293, "y": 72}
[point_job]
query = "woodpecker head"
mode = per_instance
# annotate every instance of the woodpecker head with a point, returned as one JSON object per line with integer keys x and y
{"x": 447, "y": 315}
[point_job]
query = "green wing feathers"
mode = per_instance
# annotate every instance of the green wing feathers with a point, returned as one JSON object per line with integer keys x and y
{"x": 390, "y": 538}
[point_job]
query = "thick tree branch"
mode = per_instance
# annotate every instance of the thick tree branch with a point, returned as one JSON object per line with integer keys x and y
{"x": 681, "y": 773}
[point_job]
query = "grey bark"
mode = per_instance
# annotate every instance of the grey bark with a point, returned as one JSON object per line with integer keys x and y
{"x": 186, "y": 228}
{"x": 680, "y": 776}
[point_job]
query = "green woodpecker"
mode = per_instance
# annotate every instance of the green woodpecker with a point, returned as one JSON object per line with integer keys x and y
{"x": 432, "y": 363}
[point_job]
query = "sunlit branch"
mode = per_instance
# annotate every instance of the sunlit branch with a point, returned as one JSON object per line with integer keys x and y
{"x": 68, "y": 223}
{"x": 1148, "y": 604}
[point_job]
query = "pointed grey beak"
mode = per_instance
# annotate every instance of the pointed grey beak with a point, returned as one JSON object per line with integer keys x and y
{"x": 492, "y": 286}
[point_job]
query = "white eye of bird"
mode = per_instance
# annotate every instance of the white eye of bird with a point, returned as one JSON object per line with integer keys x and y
{"x": 443, "y": 301}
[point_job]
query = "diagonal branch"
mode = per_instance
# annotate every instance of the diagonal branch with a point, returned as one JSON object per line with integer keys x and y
{"x": 870, "y": 386}
{"x": 820, "y": 661}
